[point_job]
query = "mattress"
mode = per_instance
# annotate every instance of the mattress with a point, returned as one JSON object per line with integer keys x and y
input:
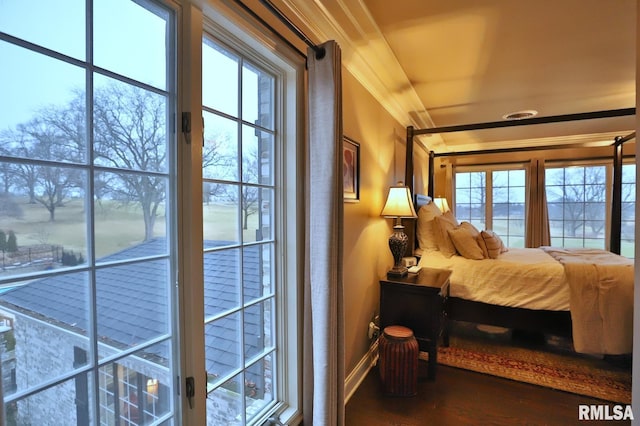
{"x": 520, "y": 278}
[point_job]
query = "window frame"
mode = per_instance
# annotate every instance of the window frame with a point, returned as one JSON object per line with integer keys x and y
{"x": 92, "y": 370}
{"x": 234, "y": 28}
{"x": 488, "y": 170}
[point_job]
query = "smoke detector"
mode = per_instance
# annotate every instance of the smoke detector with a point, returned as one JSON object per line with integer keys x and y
{"x": 519, "y": 115}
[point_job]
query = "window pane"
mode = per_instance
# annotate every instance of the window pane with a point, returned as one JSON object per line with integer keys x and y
{"x": 257, "y": 269}
{"x": 223, "y": 348}
{"x": 130, "y": 209}
{"x": 257, "y": 97}
{"x": 226, "y": 402}
{"x": 130, "y": 127}
{"x": 220, "y": 155}
{"x": 257, "y": 329}
{"x": 470, "y": 197}
{"x": 257, "y": 156}
{"x": 63, "y": 297}
{"x": 141, "y": 38}
{"x": 555, "y": 211}
{"x": 463, "y": 196}
{"x": 255, "y": 210}
{"x": 219, "y": 79}
{"x": 501, "y": 226}
{"x": 500, "y": 178}
{"x": 58, "y": 26}
{"x": 221, "y": 214}
{"x": 71, "y": 400}
{"x": 42, "y": 222}
{"x": 259, "y": 386}
{"x": 222, "y": 285}
{"x": 46, "y": 117}
{"x": 577, "y": 205}
{"x": 131, "y": 303}
{"x": 136, "y": 389}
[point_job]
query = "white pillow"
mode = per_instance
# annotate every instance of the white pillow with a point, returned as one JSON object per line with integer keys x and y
{"x": 426, "y": 230}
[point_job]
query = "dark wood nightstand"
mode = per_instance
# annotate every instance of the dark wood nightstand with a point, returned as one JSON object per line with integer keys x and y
{"x": 418, "y": 301}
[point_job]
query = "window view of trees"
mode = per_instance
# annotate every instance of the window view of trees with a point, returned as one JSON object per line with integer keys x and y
{"x": 470, "y": 203}
{"x": 87, "y": 161}
{"x": 576, "y": 199}
{"x": 493, "y": 199}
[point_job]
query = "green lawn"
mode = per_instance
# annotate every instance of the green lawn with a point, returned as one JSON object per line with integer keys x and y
{"x": 117, "y": 226}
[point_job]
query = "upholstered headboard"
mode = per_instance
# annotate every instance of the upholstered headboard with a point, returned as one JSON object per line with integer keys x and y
{"x": 410, "y": 226}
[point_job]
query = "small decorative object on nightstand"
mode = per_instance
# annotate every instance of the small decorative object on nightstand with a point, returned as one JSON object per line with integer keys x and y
{"x": 398, "y": 206}
{"x": 418, "y": 302}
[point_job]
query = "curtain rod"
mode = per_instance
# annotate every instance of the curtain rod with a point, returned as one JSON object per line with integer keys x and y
{"x": 320, "y": 52}
{"x": 528, "y": 121}
{"x": 258, "y": 18}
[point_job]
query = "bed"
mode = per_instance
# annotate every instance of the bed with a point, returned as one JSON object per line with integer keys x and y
{"x": 586, "y": 294}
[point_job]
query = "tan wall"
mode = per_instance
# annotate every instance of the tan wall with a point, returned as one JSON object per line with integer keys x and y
{"x": 366, "y": 251}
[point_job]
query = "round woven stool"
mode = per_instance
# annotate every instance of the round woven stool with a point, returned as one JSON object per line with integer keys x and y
{"x": 398, "y": 350}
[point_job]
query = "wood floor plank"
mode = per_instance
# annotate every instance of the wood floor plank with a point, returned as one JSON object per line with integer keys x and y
{"x": 458, "y": 397}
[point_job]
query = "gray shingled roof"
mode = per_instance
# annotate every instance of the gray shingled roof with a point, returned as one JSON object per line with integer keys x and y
{"x": 132, "y": 301}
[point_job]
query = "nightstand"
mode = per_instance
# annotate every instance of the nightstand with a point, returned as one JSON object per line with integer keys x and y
{"x": 419, "y": 302}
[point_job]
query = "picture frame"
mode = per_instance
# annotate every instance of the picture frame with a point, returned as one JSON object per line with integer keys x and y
{"x": 350, "y": 170}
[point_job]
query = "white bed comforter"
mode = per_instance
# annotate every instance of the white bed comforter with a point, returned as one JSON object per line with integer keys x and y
{"x": 520, "y": 278}
{"x": 601, "y": 299}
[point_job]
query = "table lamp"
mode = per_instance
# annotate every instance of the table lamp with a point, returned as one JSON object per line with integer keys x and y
{"x": 442, "y": 204}
{"x": 398, "y": 206}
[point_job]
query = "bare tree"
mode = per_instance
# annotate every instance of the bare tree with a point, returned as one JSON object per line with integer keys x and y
{"x": 130, "y": 137}
{"x": 578, "y": 195}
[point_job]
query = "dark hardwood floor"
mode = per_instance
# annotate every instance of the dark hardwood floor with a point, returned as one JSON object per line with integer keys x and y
{"x": 459, "y": 397}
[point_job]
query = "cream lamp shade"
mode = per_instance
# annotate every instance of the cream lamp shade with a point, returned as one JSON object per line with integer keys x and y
{"x": 399, "y": 204}
{"x": 442, "y": 204}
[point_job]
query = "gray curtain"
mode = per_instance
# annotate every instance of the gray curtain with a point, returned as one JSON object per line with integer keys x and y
{"x": 323, "y": 356}
{"x": 537, "y": 232}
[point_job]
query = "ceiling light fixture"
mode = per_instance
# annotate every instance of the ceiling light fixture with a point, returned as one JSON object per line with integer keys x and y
{"x": 519, "y": 115}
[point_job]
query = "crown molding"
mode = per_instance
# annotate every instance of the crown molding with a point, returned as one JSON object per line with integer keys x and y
{"x": 365, "y": 54}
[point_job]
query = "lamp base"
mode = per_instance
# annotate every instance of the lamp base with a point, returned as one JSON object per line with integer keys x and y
{"x": 397, "y": 272}
{"x": 398, "y": 247}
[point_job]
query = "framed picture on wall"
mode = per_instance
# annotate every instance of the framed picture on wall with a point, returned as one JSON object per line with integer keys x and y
{"x": 351, "y": 170}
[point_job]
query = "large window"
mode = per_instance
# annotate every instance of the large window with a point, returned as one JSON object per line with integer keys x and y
{"x": 244, "y": 168}
{"x": 493, "y": 199}
{"x": 93, "y": 277}
{"x": 578, "y": 197}
{"x": 577, "y": 203}
{"x": 87, "y": 212}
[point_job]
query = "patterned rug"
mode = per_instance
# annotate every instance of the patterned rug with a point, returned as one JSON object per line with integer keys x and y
{"x": 548, "y": 361}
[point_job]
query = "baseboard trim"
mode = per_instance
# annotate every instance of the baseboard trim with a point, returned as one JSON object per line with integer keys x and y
{"x": 358, "y": 374}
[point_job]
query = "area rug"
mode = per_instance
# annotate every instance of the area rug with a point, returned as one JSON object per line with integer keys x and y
{"x": 550, "y": 363}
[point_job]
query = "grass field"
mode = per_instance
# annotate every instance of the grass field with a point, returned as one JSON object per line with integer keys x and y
{"x": 116, "y": 226}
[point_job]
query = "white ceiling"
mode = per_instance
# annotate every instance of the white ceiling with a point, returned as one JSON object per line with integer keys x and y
{"x": 435, "y": 63}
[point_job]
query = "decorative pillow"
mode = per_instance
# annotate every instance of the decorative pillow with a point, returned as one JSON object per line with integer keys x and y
{"x": 482, "y": 245}
{"x": 464, "y": 239}
{"x": 494, "y": 244}
{"x": 444, "y": 223}
{"x": 426, "y": 230}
